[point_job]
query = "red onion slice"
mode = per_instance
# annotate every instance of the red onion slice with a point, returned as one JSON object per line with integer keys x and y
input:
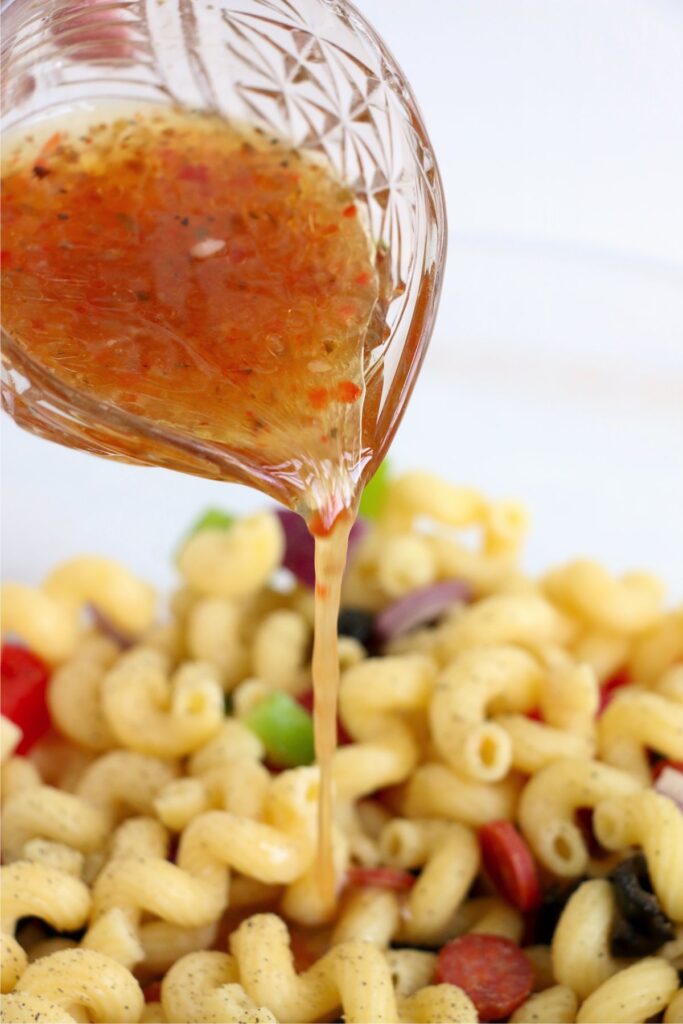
{"x": 420, "y": 607}
{"x": 299, "y": 555}
{"x": 109, "y": 630}
{"x": 670, "y": 783}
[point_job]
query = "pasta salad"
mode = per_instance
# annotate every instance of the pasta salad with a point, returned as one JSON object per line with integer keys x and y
{"x": 508, "y": 835}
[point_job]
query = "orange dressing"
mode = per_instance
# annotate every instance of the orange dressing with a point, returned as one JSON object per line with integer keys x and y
{"x": 218, "y": 284}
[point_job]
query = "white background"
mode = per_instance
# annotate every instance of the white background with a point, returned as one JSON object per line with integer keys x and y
{"x": 556, "y": 369}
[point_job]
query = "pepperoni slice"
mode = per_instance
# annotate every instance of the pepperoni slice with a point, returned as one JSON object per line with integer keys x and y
{"x": 491, "y": 970}
{"x": 24, "y": 682}
{"x": 381, "y": 878}
{"x": 510, "y": 865}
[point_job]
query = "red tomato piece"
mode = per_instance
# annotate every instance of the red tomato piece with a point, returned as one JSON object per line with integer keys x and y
{"x": 493, "y": 971}
{"x": 381, "y": 878}
{"x": 610, "y": 687}
{"x": 510, "y": 864}
{"x": 659, "y": 766}
{"x": 23, "y": 701}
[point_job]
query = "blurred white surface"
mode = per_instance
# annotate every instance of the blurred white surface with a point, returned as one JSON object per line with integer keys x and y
{"x": 556, "y": 370}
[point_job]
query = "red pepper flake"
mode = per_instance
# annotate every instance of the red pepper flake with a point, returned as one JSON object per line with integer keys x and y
{"x": 349, "y": 211}
{"x": 321, "y": 591}
{"x": 364, "y": 279}
{"x": 40, "y": 172}
{"x": 535, "y": 715}
{"x": 195, "y": 172}
{"x": 50, "y": 146}
{"x": 348, "y": 392}
{"x": 318, "y": 397}
{"x": 5, "y": 258}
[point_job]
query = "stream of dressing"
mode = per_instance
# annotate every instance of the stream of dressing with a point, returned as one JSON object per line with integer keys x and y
{"x": 330, "y": 558}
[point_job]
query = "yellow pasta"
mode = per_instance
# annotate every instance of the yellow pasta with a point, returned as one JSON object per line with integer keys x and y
{"x": 281, "y": 648}
{"x": 443, "y": 1003}
{"x": 569, "y": 697}
{"x": 49, "y": 813}
{"x": 488, "y": 915}
{"x": 369, "y": 915}
{"x": 353, "y": 975}
{"x": 527, "y": 620}
{"x": 629, "y": 605}
{"x": 556, "y": 1005}
{"x": 215, "y": 633}
{"x": 411, "y": 970}
{"x": 88, "y": 980}
{"x": 123, "y": 779}
{"x": 634, "y": 722}
{"x": 603, "y": 650}
{"x": 658, "y": 649}
{"x": 435, "y": 791}
{"x": 548, "y": 804}
{"x": 631, "y": 996}
{"x": 56, "y": 855}
{"x": 419, "y": 494}
{"x": 449, "y": 857}
{"x": 581, "y": 957}
{"x": 481, "y": 677}
{"x": 48, "y": 617}
{"x": 674, "y": 1011}
{"x": 204, "y": 987}
{"x": 403, "y": 564}
{"x": 533, "y": 745}
{"x": 22, "y": 1008}
{"x": 153, "y": 714}
{"x": 670, "y": 684}
{"x": 18, "y": 774}
{"x": 75, "y": 694}
{"x": 236, "y": 562}
{"x": 376, "y": 696}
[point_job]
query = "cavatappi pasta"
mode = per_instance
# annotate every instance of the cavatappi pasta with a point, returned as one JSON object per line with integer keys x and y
{"x": 159, "y": 843}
